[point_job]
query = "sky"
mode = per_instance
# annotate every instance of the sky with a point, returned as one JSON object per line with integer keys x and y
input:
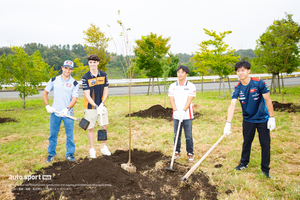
{"x": 63, "y": 22}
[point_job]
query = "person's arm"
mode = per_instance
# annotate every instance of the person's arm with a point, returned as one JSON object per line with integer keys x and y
{"x": 188, "y": 103}
{"x": 105, "y": 94}
{"x": 72, "y": 103}
{"x": 172, "y": 100}
{"x": 45, "y": 97}
{"x": 89, "y": 98}
{"x": 269, "y": 104}
{"x": 230, "y": 110}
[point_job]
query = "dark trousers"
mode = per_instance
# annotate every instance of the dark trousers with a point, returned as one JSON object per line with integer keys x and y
{"x": 187, "y": 126}
{"x": 264, "y": 139}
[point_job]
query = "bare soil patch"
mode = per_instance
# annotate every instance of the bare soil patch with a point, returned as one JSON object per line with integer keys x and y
{"x": 7, "y": 119}
{"x": 103, "y": 178}
{"x": 157, "y": 111}
{"x": 289, "y": 107}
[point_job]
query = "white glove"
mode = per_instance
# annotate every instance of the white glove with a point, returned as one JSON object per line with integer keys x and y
{"x": 50, "y": 109}
{"x": 271, "y": 123}
{"x": 65, "y": 111}
{"x": 100, "y": 109}
{"x": 182, "y": 113}
{"x": 176, "y": 114}
{"x": 227, "y": 128}
{"x": 102, "y": 106}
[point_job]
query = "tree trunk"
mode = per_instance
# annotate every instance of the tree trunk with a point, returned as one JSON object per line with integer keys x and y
{"x": 220, "y": 88}
{"x": 149, "y": 85}
{"x": 278, "y": 82}
{"x": 158, "y": 85}
{"x": 164, "y": 94}
{"x": 271, "y": 87}
{"x": 202, "y": 84}
{"x": 229, "y": 85}
{"x": 274, "y": 83}
{"x": 23, "y": 97}
{"x": 223, "y": 87}
{"x": 282, "y": 83}
{"x": 152, "y": 85}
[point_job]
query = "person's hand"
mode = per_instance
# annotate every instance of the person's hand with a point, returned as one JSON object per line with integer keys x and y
{"x": 182, "y": 113}
{"x": 49, "y": 109}
{"x": 65, "y": 111}
{"x": 271, "y": 123}
{"x": 176, "y": 114}
{"x": 99, "y": 109}
{"x": 102, "y": 106}
{"x": 227, "y": 128}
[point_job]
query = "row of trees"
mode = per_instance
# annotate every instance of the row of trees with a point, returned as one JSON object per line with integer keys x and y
{"x": 277, "y": 51}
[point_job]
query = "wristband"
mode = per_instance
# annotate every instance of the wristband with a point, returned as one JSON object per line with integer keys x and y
{"x": 68, "y": 108}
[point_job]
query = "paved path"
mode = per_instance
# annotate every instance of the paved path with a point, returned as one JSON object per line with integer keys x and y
{"x": 143, "y": 89}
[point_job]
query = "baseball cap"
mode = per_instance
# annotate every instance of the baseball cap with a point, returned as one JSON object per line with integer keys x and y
{"x": 68, "y": 63}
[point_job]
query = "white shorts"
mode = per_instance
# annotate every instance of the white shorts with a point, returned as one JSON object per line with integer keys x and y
{"x": 92, "y": 116}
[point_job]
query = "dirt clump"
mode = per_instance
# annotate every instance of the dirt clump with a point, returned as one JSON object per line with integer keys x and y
{"x": 7, "y": 119}
{"x": 103, "y": 178}
{"x": 289, "y": 107}
{"x": 157, "y": 111}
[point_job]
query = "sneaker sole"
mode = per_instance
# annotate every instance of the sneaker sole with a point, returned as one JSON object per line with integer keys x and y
{"x": 50, "y": 160}
{"x": 241, "y": 168}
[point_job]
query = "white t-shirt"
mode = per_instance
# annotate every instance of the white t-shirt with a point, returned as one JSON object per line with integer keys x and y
{"x": 181, "y": 94}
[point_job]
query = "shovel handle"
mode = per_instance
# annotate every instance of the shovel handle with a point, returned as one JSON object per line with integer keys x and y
{"x": 175, "y": 145}
{"x": 205, "y": 155}
{"x": 74, "y": 118}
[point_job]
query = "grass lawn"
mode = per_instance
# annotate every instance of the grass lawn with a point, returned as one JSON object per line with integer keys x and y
{"x": 23, "y": 144}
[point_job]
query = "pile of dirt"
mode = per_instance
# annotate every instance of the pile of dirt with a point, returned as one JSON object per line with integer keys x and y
{"x": 3, "y": 120}
{"x": 157, "y": 111}
{"x": 289, "y": 107}
{"x": 103, "y": 178}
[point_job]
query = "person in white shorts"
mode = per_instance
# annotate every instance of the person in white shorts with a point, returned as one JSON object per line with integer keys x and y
{"x": 95, "y": 88}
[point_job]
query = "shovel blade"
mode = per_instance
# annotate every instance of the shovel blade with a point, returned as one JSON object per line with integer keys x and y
{"x": 128, "y": 167}
{"x": 102, "y": 135}
{"x": 171, "y": 170}
{"x": 83, "y": 123}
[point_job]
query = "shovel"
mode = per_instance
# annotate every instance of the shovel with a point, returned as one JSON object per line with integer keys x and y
{"x": 83, "y": 123}
{"x": 175, "y": 145}
{"x": 102, "y": 133}
{"x": 186, "y": 176}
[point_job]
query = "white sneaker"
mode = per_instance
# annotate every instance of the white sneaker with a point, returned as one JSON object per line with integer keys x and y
{"x": 105, "y": 151}
{"x": 92, "y": 153}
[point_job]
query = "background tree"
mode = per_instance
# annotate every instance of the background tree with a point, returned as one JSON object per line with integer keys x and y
{"x": 200, "y": 63}
{"x": 52, "y": 72}
{"x": 218, "y": 55}
{"x": 278, "y": 48}
{"x": 149, "y": 51}
{"x": 79, "y": 70}
{"x": 25, "y": 73}
{"x": 173, "y": 65}
{"x": 97, "y": 43}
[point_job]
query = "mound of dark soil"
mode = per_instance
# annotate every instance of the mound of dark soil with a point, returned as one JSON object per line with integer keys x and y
{"x": 103, "y": 178}
{"x": 289, "y": 107}
{"x": 3, "y": 120}
{"x": 157, "y": 111}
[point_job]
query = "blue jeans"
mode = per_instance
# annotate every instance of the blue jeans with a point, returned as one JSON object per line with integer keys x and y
{"x": 187, "y": 126}
{"x": 54, "y": 129}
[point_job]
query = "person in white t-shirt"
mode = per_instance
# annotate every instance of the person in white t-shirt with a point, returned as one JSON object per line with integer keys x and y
{"x": 181, "y": 94}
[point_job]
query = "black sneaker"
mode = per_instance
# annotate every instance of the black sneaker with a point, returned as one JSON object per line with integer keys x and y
{"x": 241, "y": 167}
{"x": 50, "y": 158}
{"x": 71, "y": 158}
{"x": 266, "y": 174}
